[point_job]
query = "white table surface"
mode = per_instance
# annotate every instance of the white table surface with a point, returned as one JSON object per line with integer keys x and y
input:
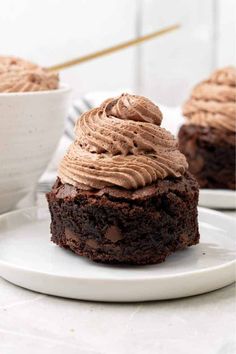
{"x": 32, "y": 323}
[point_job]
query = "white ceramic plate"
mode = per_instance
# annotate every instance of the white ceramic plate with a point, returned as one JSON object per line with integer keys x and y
{"x": 218, "y": 199}
{"x": 30, "y": 260}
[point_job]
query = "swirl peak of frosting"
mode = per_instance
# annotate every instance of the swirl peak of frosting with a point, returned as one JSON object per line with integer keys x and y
{"x": 18, "y": 75}
{"x": 121, "y": 144}
{"x": 213, "y": 101}
{"x": 133, "y": 107}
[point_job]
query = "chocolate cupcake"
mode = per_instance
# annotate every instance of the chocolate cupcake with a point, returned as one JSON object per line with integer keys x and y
{"x": 208, "y": 137}
{"x": 123, "y": 193}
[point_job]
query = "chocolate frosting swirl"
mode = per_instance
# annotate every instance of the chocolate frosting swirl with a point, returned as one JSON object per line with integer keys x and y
{"x": 213, "y": 102}
{"x": 18, "y": 75}
{"x": 121, "y": 144}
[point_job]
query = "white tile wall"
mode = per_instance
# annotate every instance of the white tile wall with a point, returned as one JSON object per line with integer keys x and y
{"x": 226, "y": 49}
{"x": 172, "y": 64}
{"x": 50, "y": 31}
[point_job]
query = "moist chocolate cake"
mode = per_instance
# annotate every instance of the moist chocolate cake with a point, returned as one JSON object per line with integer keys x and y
{"x": 208, "y": 137}
{"x": 124, "y": 194}
{"x": 210, "y": 154}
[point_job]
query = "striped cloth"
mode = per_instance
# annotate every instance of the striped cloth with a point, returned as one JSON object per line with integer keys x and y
{"x": 77, "y": 109}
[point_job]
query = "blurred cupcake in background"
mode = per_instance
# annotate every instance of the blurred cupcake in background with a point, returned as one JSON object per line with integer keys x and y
{"x": 207, "y": 138}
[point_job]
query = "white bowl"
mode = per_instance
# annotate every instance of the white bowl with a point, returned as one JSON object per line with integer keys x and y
{"x": 31, "y": 124}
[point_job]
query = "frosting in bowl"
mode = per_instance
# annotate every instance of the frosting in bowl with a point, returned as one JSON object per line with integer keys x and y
{"x": 121, "y": 144}
{"x": 18, "y": 75}
{"x": 213, "y": 102}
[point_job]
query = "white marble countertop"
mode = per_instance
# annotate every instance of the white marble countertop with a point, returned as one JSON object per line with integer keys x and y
{"x": 32, "y": 323}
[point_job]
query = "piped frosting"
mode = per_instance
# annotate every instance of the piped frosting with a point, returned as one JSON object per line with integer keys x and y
{"x": 18, "y": 75}
{"x": 121, "y": 144}
{"x": 213, "y": 102}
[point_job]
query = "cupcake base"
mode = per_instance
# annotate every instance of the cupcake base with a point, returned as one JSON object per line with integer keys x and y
{"x": 113, "y": 225}
{"x": 211, "y": 155}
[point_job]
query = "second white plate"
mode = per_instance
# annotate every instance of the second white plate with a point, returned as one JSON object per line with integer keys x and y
{"x": 30, "y": 260}
{"x": 217, "y": 198}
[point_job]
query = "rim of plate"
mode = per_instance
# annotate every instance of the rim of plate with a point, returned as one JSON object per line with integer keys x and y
{"x": 62, "y": 89}
{"x": 217, "y": 191}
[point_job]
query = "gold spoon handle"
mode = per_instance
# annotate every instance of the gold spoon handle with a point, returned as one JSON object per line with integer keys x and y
{"x": 112, "y": 49}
